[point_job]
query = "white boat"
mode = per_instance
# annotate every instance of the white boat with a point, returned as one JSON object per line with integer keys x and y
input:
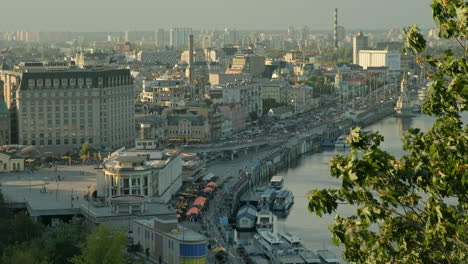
{"x": 276, "y": 182}
{"x": 341, "y": 142}
{"x": 264, "y": 221}
{"x": 270, "y": 241}
{"x": 291, "y": 240}
{"x": 283, "y": 201}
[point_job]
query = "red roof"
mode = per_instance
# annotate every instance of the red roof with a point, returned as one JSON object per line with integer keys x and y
{"x": 201, "y": 201}
{"x": 208, "y": 189}
{"x": 212, "y": 184}
{"x": 192, "y": 211}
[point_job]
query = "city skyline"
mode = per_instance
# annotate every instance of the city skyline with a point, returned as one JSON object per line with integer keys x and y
{"x": 54, "y": 15}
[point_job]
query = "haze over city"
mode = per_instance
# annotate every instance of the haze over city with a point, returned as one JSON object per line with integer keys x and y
{"x": 121, "y": 15}
{"x": 233, "y": 131}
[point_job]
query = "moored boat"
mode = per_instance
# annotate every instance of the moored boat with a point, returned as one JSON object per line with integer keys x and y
{"x": 291, "y": 240}
{"x": 266, "y": 199}
{"x": 264, "y": 221}
{"x": 270, "y": 241}
{"x": 277, "y": 182}
{"x": 327, "y": 256}
{"x": 283, "y": 201}
{"x": 341, "y": 142}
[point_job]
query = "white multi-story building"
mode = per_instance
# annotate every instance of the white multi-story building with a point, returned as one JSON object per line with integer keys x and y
{"x": 272, "y": 90}
{"x": 143, "y": 170}
{"x": 245, "y": 93}
{"x": 380, "y": 58}
{"x": 69, "y": 107}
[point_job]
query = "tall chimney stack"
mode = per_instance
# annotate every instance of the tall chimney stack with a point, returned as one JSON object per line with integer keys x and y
{"x": 335, "y": 30}
{"x": 190, "y": 59}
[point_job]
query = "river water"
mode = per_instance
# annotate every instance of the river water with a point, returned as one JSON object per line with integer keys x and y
{"x": 313, "y": 172}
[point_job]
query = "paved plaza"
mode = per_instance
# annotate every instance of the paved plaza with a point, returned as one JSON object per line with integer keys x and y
{"x": 49, "y": 190}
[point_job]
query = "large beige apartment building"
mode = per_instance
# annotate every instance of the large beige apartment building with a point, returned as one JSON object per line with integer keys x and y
{"x": 5, "y": 134}
{"x": 70, "y": 106}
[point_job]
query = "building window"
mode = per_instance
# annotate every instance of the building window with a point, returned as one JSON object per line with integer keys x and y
{"x": 57, "y": 141}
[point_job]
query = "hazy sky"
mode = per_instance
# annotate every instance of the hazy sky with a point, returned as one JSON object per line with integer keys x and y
{"x": 121, "y": 15}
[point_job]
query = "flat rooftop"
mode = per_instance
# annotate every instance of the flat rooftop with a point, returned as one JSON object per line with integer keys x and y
{"x": 26, "y": 189}
{"x": 152, "y": 209}
{"x": 181, "y": 233}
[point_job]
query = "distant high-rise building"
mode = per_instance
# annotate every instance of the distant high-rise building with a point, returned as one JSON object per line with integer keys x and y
{"x": 131, "y": 36}
{"x": 360, "y": 42}
{"x": 305, "y": 33}
{"x": 178, "y": 37}
{"x": 230, "y": 37}
{"x": 291, "y": 32}
{"x": 160, "y": 38}
{"x": 206, "y": 42}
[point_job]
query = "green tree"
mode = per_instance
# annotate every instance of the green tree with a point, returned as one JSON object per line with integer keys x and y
{"x": 17, "y": 228}
{"x": 253, "y": 116}
{"x": 103, "y": 246}
{"x": 208, "y": 102}
{"x": 62, "y": 241}
{"x": 85, "y": 149}
{"x": 412, "y": 209}
{"x": 27, "y": 252}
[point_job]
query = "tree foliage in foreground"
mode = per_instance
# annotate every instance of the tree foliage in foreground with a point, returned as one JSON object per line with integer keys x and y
{"x": 412, "y": 209}
{"x": 103, "y": 246}
{"x": 61, "y": 242}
